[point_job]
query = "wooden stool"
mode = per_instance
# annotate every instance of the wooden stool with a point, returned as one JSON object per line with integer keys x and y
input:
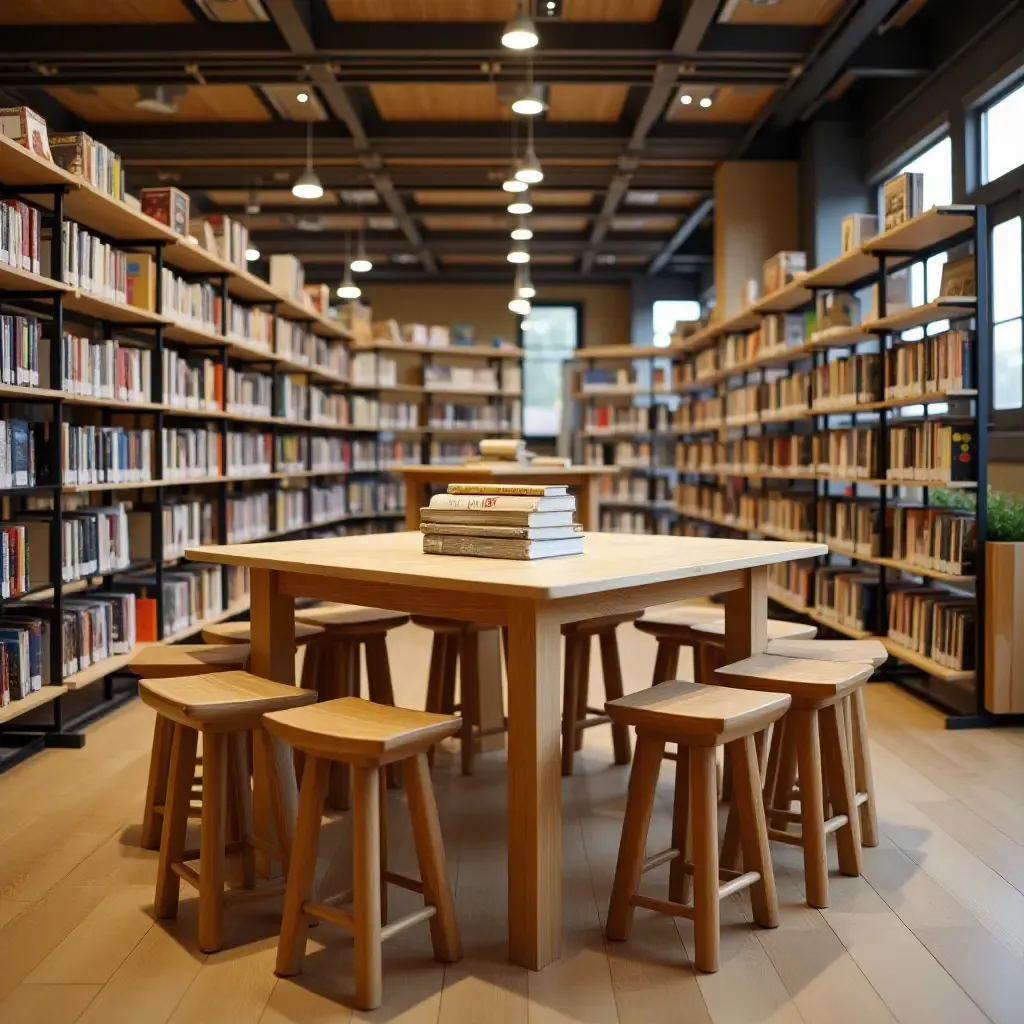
{"x": 332, "y": 667}
{"x": 224, "y": 707}
{"x": 170, "y": 661}
{"x": 576, "y": 715}
{"x": 366, "y": 736}
{"x": 455, "y": 652}
{"x": 870, "y": 652}
{"x": 700, "y": 719}
{"x": 241, "y": 633}
{"x": 818, "y": 760}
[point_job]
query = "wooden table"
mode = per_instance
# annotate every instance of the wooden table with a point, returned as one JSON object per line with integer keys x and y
{"x": 617, "y": 573}
{"x": 584, "y": 480}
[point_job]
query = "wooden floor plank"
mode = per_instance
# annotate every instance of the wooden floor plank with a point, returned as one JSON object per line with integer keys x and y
{"x": 47, "y": 1004}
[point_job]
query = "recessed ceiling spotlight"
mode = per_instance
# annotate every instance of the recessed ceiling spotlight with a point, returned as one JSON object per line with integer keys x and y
{"x": 302, "y": 96}
{"x": 706, "y": 102}
{"x": 405, "y": 258}
{"x": 520, "y": 33}
{"x": 686, "y": 99}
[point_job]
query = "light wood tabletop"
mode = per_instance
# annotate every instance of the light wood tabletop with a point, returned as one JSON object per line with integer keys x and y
{"x": 616, "y": 573}
{"x": 583, "y": 480}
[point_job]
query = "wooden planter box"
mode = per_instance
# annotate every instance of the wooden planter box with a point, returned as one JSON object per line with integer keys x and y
{"x": 1004, "y": 628}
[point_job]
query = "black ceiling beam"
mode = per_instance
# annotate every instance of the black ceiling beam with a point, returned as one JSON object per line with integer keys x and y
{"x": 774, "y": 41}
{"x": 686, "y": 229}
{"x": 841, "y": 41}
{"x": 898, "y": 53}
{"x": 328, "y": 243}
{"x": 294, "y": 20}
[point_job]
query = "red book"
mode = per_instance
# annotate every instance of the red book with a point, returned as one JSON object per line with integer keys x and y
{"x": 145, "y": 619}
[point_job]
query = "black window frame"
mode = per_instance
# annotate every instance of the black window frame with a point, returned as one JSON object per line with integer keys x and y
{"x": 578, "y": 306}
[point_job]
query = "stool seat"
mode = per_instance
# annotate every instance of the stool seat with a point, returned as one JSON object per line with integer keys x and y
{"x": 802, "y": 678}
{"x": 684, "y": 614}
{"x": 167, "y": 661}
{"x": 866, "y": 652}
{"x": 359, "y": 731}
{"x": 591, "y": 627}
{"x": 681, "y": 709}
{"x": 437, "y": 624}
{"x": 241, "y": 633}
{"x": 338, "y": 617}
{"x": 231, "y": 700}
{"x": 778, "y": 629}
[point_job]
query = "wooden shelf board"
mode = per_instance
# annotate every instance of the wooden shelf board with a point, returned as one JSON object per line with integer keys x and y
{"x": 932, "y": 227}
{"x": 15, "y": 279}
{"x": 839, "y": 627}
{"x": 627, "y": 352}
{"x": 924, "y": 663}
{"x": 888, "y": 403}
{"x": 105, "y": 309}
{"x": 13, "y": 391}
{"x": 459, "y": 430}
{"x": 919, "y": 316}
{"x": 843, "y": 271}
{"x": 42, "y": 696}
{"x": 21, "y": 167}
{"x": 470, "y": 351}
{"x": 788, "y": 602}
{"x": 893, "y": 563}
{"x": 785, "y": 299}
{"x": 94, "y": 488}
{"x": 95, "y": 209}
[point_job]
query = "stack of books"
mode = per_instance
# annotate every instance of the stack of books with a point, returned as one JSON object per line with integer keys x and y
{"x": 520, "y": 521}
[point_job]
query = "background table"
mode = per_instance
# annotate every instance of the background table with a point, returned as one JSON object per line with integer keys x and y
{"x": 617, "y": 573}
{"x": 583, "y": 480}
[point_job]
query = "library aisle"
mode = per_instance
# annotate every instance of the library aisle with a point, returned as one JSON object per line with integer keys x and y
{"x": 931, "y": 934}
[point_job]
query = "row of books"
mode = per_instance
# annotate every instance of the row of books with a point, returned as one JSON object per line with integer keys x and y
{"x": 20, "y": 241}
{"x": 628, "y": 488}
{"x": 451, "y": 453}
{"x": 18, "y": 440}
{"x": 95, "y": 541}
{"x": 82, "y": 155}
{"x": 699, "y": 415}
{"x": 625, "y": 455}
{"x": 441, "y": 376}
{"x": 104, "y": 455}
{"x": 195, "y": 303}
{"x": 251, "y": 325}
{"x": 935, "y": 623}
{"x": 192, "y": 381}
{"x": 105, "y": 369}
{"x": 449, "y": 415}
{"x": 615, "y": 520}
{"x": 618, "y": 418}
{"x": 938, "y": 364}
{"x": 368, "y": 456}
{"x": 91, "y": 264}
{"x": 932, "y": 451}
{"x": 249, "y": 515}
{"x": 373, "y": 369}
{"x": 22, "y": 352}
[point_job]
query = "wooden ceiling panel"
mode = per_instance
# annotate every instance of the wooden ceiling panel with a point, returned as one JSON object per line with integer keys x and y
{"x": 490, "y": 259}
{"x": 439, "y": 101}
{"x": 453, "y": 197}
{"x": 609, "y": 10}
{"x": 551, "y": 197}
{"x": 91, "y": 12}
{"x": 785, "y": 12}
{"x": 267, "y": 197}
{"x": 291, "y": 222}
{"x": 733, "y": 104}
{"x": 558, "y": 223}
{"x": 586, "y": 102}
{"x": 553, "y": 260}
{"x": 480, "y": 222}
{"x": 661, "y": 224}
{"x": 109, "y": 103}
{"x": 487, "y": 10}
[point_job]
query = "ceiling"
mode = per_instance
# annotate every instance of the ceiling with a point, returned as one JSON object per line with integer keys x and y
{"x": 412, "y": 131}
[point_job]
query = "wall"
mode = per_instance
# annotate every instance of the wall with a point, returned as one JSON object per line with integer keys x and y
{"x": 1006, "y": 476}
{"x": 645, "y": 291}
{"x": 606, "y": 308}
{"x": 756, "y": 216}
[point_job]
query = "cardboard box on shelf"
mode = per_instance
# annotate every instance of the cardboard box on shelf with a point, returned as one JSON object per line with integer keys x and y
{"x": 783, "y": 268}
{"x": 168, "y": 205}
{"x": 27, "y": 128}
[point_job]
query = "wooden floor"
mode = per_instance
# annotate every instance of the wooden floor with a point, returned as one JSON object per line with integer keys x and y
{"x": 932, "y": 934}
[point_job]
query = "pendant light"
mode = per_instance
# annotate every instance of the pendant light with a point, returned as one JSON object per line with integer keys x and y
{"x": 307, "y": 184}
{"x": 529, "y": 170}
{"x": 348, "y": 289}
{"x": 524, "y": 286}
{"x": 520, "y": 33}
{"x": 520, "y": 306}
{"x": 252, "y": 253}
{"x": 361, "y": 264}
{"x": 515, "y": 183}
{"x": 521, "y": 205}
{"x": 521, "y": 233}
{"x": 529, "y": 102}
{"x": 518, "y": 255}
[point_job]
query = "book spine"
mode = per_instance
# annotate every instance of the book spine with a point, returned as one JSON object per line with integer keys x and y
{"x": 510, "y": 503}
{"x": 522, "y": 490}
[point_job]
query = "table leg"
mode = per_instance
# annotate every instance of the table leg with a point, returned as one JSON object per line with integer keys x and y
{"x": 491, "y": 707}
{"x": 746, "y": 617}
{"x": 272, "y": 656}
{"x": 588, "y": 509}
{"x": 534, "y": 788}
{"x": 415, "y": 499}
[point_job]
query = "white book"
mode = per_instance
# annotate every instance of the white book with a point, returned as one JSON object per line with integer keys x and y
{"x": 503, "y": 503}
{"x": 496, "y": 547}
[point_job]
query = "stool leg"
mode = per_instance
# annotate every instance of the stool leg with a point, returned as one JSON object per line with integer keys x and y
{"x": 378, "y": 682}
{"x": 292, "y": 945}
{"x": 212, "y": 839}
{"x": 449, "y": 673}
{"x": 733, "y": 836}
{"x": 611, "y": 669}
{"x": 863, "y": 779}
{"x": 570, "y": 701}
{"x": 275, "y": 758}
{"x": 240, "y": 786}
{"x": 434, "y": 684}
{"x": 311, "y": 668}
{"x": 347, "y": 683}
{"x": 764, "y": 901}
{"x": 156, "y": 787}
{"x": 704, "y": 829}
{"x": 469, "y": 688}
{"x": 840, "y": 785}
{"x": 666, "y": 662}
{"x": 804, "y": 725}
{"x": 582, "y": 687}
{"x": 426, "y": 832}
{"x": 771, "y": 772}
{"x": 643, "y": 779}
{"x": 382, "y": 794}
{"x": 366, "y": 886}
{"x": 172, "y": 840}
{"x": 678, "y": 878}
{"x": 785, "y": 780}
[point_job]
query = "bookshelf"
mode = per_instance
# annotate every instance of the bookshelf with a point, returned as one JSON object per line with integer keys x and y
{"x": 293, "y": 410}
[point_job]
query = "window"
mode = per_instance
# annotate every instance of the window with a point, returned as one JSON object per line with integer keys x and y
{"x": 1007, "y": 340}
{"x": 666, "y": 313}
{"x": 549, "y": 337}
{"x": 936, "y": 164}
{"x": 1002, "y": 139}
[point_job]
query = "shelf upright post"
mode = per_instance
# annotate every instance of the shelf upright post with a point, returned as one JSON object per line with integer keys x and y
{"x": 157, "y": 395}
{"x": 275, "y": 382}
{"x": 56, "y": 447}
{"x": 222, "y": 487}
{"x": 884, "y": 343}
{"x": 425, "y": 436}
{"x": 983, "y": 405}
